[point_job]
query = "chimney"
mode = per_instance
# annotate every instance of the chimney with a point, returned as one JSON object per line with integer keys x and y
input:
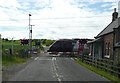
{"x": 114, "y": 15}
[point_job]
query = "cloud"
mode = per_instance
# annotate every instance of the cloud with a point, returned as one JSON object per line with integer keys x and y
{"x": 55, "y": 18}
{"x": 34, "y": 4}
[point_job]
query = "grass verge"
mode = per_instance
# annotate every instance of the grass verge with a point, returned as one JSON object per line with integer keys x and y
{"x": 9, "y": 60}
{"x": 99, "y": 71}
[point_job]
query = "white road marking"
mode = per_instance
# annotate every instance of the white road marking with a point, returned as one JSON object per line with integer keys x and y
{"x": 57, "y": 74}
{"x": 36, "y": 58}
{"x": 44, "y": 59}
{"x": 59, "y": 79}
{"x": 53, "y": 58}
{"x": 72, "y": 59}
{"x": 53, "y": 55}
{"x": 55, "y": 69}
{"x": 76, "y": 58}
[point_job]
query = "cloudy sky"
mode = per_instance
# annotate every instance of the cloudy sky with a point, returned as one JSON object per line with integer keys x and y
{"x": 55, "y": 19}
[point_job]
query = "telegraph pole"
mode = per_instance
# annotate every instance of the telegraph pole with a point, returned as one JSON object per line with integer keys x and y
{"x": 29, "y": 34}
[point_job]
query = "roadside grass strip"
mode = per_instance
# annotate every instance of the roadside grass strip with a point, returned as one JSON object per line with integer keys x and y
{"x": 114, "y": 79}
{"x": 9, "y": 60}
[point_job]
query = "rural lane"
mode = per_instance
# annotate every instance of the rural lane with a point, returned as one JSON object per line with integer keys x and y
{"x": 54, "y": 68}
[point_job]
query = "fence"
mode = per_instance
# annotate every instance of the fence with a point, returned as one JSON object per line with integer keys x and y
{"x": 104, "y": 64}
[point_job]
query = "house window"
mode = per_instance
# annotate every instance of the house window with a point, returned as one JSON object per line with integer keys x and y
{"x": 107, "y": 50}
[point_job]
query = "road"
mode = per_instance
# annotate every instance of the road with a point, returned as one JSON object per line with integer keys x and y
{"x": 54, "y": 68}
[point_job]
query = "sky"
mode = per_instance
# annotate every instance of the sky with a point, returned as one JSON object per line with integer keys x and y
{"x": 55, "y": 19}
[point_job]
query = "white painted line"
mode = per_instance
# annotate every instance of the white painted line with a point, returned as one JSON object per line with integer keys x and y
{"x": 57, "y": 74}
{"x": 72, "y": 59}
{"x": 76, "y": 58}
{"x": 55, "y": 69}
{"x": 36, "y": 58}
{"x": 59, "y": 79}
{"x": 53, "y": 58}
{"x": 44, "y": 59}
{"x": 53, "y": 55}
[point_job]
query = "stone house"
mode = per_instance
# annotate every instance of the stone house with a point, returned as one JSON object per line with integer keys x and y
{"x": 107, "y": 43}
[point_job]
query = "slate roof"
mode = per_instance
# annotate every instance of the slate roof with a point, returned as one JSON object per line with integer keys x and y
{"x": 109, "y": 28}
{"x": 95, "y": 40}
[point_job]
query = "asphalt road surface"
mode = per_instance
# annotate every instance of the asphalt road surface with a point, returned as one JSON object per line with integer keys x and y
{"x": 54, "y": 68}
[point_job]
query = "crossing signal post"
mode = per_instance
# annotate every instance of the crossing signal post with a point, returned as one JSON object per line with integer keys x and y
{"x": 31, "y": 36}
{"x": 30, "y": 33}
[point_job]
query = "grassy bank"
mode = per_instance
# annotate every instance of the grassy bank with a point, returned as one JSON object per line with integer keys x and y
{"x": 17, "y": 56}
{"x": 9, "y": 60}
{"x": 99, "y": 71}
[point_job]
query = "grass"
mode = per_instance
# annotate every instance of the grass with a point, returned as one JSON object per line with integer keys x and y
{"x": 8, "y": 59}
{"x": 16, "y": 45}
{"x": 99, "y": 71}
{"x": 18, "y": 52}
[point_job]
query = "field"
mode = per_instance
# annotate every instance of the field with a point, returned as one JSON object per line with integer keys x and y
{"x": 18, "y": 55}
{"x": 20, "y": 52}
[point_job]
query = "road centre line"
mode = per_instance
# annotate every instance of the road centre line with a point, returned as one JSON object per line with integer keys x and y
{"x": 55, "y": 69}
{"x": 72, "y": 59}
{"x": 53, "y": 58}
{"x": 36, "y": 58}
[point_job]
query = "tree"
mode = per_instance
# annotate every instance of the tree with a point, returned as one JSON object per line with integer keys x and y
{"x": 6, "y": 39}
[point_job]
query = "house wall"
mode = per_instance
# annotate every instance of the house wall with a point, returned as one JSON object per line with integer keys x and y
{"x": 117, "y": 56}
{"x": 117, "y": 49}
{"x": 95, "y": 49}
{"x": 108, "y": 46}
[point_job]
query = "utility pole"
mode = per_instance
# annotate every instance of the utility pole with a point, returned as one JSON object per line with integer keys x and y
{"x": 29, "y": 33}
{"x": 31, "y": 36}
